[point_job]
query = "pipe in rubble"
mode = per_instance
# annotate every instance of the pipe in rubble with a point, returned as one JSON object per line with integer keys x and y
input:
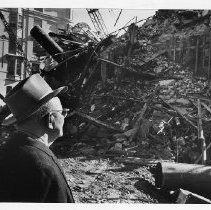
{"x": 46, "y": 42}
{"x": 193, "y": 177}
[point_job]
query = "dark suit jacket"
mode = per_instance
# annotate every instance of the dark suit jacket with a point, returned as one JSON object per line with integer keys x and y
{"x": 30, "y": 172}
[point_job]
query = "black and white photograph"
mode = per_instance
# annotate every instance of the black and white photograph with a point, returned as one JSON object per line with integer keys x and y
{"x": 105, "y": 105}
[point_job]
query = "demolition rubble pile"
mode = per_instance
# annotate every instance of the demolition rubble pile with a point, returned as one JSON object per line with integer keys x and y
{"x": 152, "y": 116}
{"x": 177, "y": 22}
{"x": 166, "y": 132}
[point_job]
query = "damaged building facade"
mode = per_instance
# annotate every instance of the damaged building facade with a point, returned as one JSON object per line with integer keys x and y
{"x": 21, "y": 21}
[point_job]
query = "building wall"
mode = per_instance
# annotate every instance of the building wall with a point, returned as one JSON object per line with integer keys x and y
{"x": 50, "y": 19}
{"x": 4, "y": 46}
{"x": 23, "y": 20}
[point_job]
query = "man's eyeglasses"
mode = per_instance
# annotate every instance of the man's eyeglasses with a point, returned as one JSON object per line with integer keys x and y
{"x": 63, "y": 112}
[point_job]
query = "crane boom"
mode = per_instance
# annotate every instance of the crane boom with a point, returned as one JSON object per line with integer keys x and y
{"x": 97, "y": 21}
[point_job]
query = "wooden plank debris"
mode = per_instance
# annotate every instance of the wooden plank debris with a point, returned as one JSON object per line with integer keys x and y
{"x": 149, "y": 59}
{"x": 207, "y": 107}
{"x": 201, "y": 133}
{"x": 140, "y": 74}
{"x": 139, "y": 161}
{"x": 199, "y": 158}
{"x": 163, "y": 109}
{"x": 143, "y": 114}
{"x": 179, "y": 113}
{"x": 96, "y": 122}
{"x": 139, "y": 121}
{"x": 187, "y": 197}
{"x": 196, "y": 96}
{"x": 197, "y": 56}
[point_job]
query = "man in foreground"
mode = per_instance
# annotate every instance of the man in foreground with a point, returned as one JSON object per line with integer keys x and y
{"x": 30, "y": 172}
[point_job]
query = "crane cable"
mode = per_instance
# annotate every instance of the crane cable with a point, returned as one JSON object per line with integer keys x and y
{"x": 118, "y": 17}
{"x": 128, "y": 26}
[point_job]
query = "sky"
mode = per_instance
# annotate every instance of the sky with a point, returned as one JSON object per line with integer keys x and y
{"x": 110, "y": 16}
{"x": 129, "y": 4}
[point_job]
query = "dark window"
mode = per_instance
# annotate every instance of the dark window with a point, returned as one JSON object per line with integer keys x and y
{"x": 20, "y": 26}
{"x": 39, "y": 9}
{"x": 19, "y": 66}
{"x": 35, "y": 67}
{"x": 8, "y": 88}
{"x": 68, "y": 12}
{"x": 11, "y": 67}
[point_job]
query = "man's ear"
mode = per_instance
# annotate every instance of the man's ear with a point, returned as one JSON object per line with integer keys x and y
{"x": 51, "y": 121}
{"x": 49, "y": 118}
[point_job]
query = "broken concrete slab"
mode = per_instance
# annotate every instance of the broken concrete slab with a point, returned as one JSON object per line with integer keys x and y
{"x": 182, "y": 101}
{"x": 166, "y": 82}
{"x": 117, "y": 147}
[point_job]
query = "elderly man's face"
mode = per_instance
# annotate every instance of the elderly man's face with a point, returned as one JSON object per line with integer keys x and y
{"x": 58, "y": 119}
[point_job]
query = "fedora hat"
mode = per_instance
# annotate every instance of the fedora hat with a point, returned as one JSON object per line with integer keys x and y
{"x": 29, "y": 95}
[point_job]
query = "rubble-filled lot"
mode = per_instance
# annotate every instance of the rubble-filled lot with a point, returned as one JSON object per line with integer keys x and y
{"x": 101, "y": 180}
{"x": 103, "y": 154}
{"x": 97, "y": 179}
